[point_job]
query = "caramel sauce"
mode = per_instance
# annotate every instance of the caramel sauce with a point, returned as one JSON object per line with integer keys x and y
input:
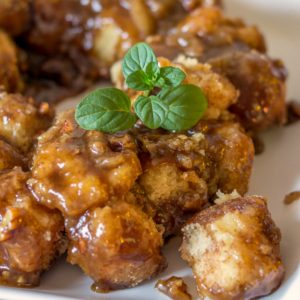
{"x": 292, "y": 197}
{"x": 174, "y": 287}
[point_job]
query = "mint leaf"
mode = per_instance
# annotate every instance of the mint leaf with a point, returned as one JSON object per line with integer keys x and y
{"x": 151, "y": 111}
{"x": 137, "y": 58}
{"x": 152, "y": 70}
{"x": 186, "y": 105}
{"x": 105, "y": 110}
{"x": 139, "y": 81}
{"x": 160, "y": 82}
{"x": 172, "y": 76}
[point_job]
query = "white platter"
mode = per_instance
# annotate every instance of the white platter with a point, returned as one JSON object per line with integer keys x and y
{"x": 276, "y": 173}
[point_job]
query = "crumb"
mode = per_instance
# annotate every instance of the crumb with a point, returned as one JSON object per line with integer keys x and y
{"x": 174, "y": 287}
{"x": 225, "y": 197}
{"x": 292, "y": 197}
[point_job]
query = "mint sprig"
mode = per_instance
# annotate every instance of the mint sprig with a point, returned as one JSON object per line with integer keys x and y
{"x": 166, "y": 102}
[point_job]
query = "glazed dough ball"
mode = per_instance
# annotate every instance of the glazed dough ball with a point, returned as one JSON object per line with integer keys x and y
{"x": 21, "y": 120}
{"x": 74, "y": 169}
{"x": 261, "y": 82}
{"x": 233, "y": 249}
{"x": 118, "y": 246}
{"x": 30, "y": 235}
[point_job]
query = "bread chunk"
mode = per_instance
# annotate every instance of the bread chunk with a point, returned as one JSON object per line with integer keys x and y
{"x": 21, "y": 120}
{"x": 118, "y": 246}
{"x": 205, "y": 33}
{"x": 233, "y": 249}
{"x": 74, "y": 169}
{"x": 31, "y": 236}
{"x": 261, "y": 82}
{"x": 182, "y": 171}
{"x": 229, "y": 155}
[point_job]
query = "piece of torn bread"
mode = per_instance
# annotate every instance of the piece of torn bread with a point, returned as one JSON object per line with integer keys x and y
{"x": 233, "y": 249}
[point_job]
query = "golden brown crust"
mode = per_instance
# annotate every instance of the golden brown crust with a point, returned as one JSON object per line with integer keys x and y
{"x": 86, "y": 168}
{"x": 233, "y": 249}
{"x": 10, "y": 78}
{"x": 21, "y": 120}
{"x": 30, "y": 235}
{"x": 170, "y": 189}
{"x": 261, "y": 82}
{"x": 118, "y": 246}
{"x": 230, "y": 155}
{"x": 205, "y": 33}
{"x": 181, "y": 171}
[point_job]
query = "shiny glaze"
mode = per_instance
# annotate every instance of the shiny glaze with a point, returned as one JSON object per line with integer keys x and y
{"x": 87, "y": 168}
{"x": 240, "y": 258}
{"x": 181, "y": 171}
{"x": 207, "y": 33}
{"x": 174, "y": 287}
{"x": 21, "y": 120}
{"x": 30, "y": 235}
{"x": 106, "y": 241}
{"x": 261, "y": 82}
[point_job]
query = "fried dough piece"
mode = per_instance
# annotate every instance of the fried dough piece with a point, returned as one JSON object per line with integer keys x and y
{"x": 10, "y": 78}
{"x": 233, "y": 249}
{"x": 169, "y": 189}
{"x": 15, "y": 16}
{"x": 182, "y": 171}
{"x": 236, "y": 51}
{"x": 118, "y": 246}
{"x": 97, "y": 33}
{"x": 74, "y": 169}
{"x": 261, "y": 82}
{"x": 21, "y": 120}
{"x": 205, "y": 33}
{"x": 230, "y": 155}
{"x": 30, "y": 235}
{"x": 10, "y": 157}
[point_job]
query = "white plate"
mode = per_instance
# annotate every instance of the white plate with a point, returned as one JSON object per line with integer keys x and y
{"x": 276, "y": 173}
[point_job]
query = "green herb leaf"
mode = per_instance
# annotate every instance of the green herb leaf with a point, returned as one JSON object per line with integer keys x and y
{"x": 160, "y": 82}
{"x": 105, "y": 110}
{"x": 137, "y": 58}
{"x": 186, "y": 105}
{"x": 172, "y": 76}
{"x": 152, "y": 70}
{"x": 151, "y": 110}
{"x": 139, "y": 81}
